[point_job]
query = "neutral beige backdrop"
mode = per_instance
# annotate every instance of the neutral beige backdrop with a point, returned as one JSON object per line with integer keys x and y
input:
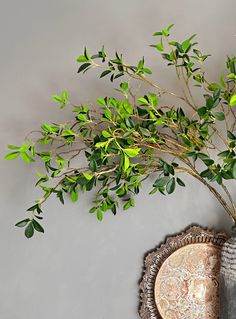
{"x": 81, "y": 268}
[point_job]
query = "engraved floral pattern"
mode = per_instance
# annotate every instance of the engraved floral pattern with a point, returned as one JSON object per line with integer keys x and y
{"x": 189, "y": 290}
{"x": 180, "y": 279}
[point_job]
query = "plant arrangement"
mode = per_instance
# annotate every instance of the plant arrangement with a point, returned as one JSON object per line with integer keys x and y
{"x": 124, "y": 140}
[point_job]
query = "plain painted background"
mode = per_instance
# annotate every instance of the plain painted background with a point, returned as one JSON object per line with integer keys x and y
{"x": 81, "y": 268}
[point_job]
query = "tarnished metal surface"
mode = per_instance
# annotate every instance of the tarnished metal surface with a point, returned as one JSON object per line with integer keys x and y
{"x": 181, "y": 277}
{"x": 187, "y": 284}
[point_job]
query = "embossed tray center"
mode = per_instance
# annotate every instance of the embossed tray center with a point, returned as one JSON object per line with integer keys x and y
{"x": 187, "y": 284}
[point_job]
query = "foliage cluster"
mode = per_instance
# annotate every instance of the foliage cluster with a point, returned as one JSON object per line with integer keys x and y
{"x": 126, "y": 140}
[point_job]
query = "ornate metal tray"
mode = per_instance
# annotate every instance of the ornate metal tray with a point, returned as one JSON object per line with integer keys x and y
{"x": 181, "y": 277}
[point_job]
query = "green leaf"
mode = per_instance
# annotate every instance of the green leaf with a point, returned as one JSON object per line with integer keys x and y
{"x": 33, "y": 208}
{"x": 224, "y": 153}
{"x": 219, "y": 116}
{"x": 130, "y": 203}
{"x": 83, "y": 67}
{"x": 208, "y": 161}
{"x": 101, "y": 144}
{"x": 37, "y": 226}
{"x": 93, "y": 165}
{"x": 234, "y": 170}
{"x": 90, "y": 184}
{"x": 60, "y": 196}
{"x": 101, "y": 101}
{"x": 22, "y": 223}
{"x": 232, "y": 101}
{"x": 57, "y": 98}
{"x": 26, "y": 158}
{"x": 141, "y": 64}
{"x": 186, "y": 139}
{"x": 170, "y": 26}
{"x": 106, "y": 134}
{"x": 126, "y": 109}
{"x": 146, "y": 70}
{"x": 74, "y": 195}
{"x": 65, "y": 95}
{"x": 126, "y": 206}
{"x": 159, "y": 47}
{"x": 12, "y": 156}
{"x": 143, "y": 101}
{"x": 157, "y": 33}
{"x": 13, "y": 147}
{"x": 166, "y": 31}
{"x": 202, "y": 111}
{"x": 205, "y": 158}
{"x": 144, "y": 131}
{"x": 126, "y": 163}
{"x": 99, "y": 215}
{"x": 29, "y": 230}
{"x": 153, "y": 191}
{"x": 232, "y": 76}
{"x": 82, "y": 117}
{"x": 168, "y": 169}
{"x": 213, "y": 86}
{"x": 132, "y": 152}
{"x": 104, "y": 73}
{"x": 153, "y": 98}
{"x": 160, "y": 182}
{"x": 86, "y": 54}
{"x": 170, "y": 187}
{"x": 186, "y": 44}
{"x": 124, "y": 86}
{"x": 206, "y": 173}
{"x": 180, "y": 182}
{"x": 92, "y": 210}
{"x": 68, "y": 132}
{"x": 88, "y": 176}
{"x": 107, "y": 114}
{"x": 166, "y": 56}
{"x": 231, "y": 136}
{"x": 49, "y": 128}
{"x": 81, "y": 58}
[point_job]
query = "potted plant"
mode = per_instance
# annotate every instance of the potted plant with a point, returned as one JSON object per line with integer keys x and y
{"x": 125, "y": 140}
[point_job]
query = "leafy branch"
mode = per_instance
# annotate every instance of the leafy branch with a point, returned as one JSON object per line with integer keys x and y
{"x": 125, "y": 140}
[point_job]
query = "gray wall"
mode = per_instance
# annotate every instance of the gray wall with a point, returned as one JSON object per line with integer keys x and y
{"x": 81, "y": 268}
